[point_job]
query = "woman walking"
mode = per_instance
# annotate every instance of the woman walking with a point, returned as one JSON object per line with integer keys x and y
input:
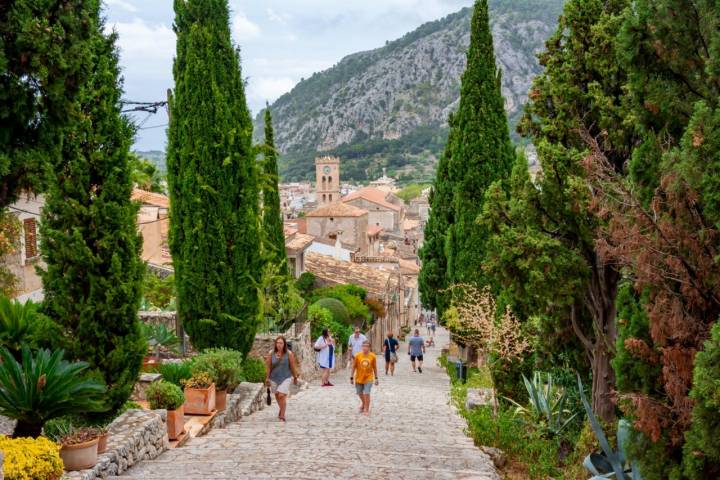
{"x": 325, "y": 348}
{"x": 390, "y": 348}
{"x": 280, "y": 368}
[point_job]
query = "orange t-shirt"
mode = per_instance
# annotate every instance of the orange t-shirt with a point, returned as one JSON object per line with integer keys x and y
{"x": 364, "y": 367}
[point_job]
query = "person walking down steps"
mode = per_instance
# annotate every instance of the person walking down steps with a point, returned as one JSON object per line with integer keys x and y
{"x": 280, "y": 369}
{"x": 390, "y": 348}
{"x": 355, "y": 344}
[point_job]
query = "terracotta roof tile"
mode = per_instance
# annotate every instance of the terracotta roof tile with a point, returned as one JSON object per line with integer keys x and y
{"x": 298, "y": 242}
{"x": 372, "y": 195}
{"x": 338, "y": 209}
{"x": 150, "y": 198}
{"x": 329, "y": 269}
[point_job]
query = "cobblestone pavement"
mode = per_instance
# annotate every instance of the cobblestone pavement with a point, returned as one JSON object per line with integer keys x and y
{"x": 412, "y": 433}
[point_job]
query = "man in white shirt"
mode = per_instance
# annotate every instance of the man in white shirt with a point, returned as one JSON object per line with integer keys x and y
{"x": 355, "y": 342}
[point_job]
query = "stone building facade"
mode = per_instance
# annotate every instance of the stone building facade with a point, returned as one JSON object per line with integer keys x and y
{"x": 340, "y": 221}
{"x": 382, "y": 211}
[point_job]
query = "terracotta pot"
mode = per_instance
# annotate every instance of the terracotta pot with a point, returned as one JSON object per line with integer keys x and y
{"x": 80, "y": 456}
{"x": 149, "y": 364}
{"x": 220, "y": 400}
{"x": 102, "y": 443}
{"x": 199, "y": 401}
{"x": 175, "y": 422}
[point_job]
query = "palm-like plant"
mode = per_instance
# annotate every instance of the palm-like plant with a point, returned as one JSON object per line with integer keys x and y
{"x": 16, "y": 321}
{"x": 160, "y": 336}
{"x": 547, "y": 404}
{"x": 43, "y": 387}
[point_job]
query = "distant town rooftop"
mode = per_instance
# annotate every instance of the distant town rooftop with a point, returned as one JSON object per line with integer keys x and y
{"x": 338, "y": 209}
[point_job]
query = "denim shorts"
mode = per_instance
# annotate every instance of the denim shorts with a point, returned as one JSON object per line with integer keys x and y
{"x": 363, "y": 388}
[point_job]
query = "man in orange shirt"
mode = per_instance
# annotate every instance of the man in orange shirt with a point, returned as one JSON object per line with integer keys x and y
{"x": 364, "y": 373}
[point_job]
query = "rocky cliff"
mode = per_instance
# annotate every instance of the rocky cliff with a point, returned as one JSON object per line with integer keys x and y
{"x": 388, "y": 107}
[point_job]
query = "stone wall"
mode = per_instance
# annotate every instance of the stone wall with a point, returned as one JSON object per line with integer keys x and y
{"x": 135, "y": 435}
{"x": 302, "y": 345}
{"x": 169, "y": 319}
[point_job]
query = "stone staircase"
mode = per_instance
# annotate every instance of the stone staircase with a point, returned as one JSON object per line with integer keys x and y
{"x": 413, "y": 433}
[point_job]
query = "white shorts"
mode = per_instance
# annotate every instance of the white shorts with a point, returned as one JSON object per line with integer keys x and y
{"x": 283, "y": 387}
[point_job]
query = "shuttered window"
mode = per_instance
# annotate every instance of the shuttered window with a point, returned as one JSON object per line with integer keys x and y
{"x": 30, "y": 228}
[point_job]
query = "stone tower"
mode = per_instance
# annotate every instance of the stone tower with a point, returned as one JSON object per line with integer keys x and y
{"x": 327, "y": 180}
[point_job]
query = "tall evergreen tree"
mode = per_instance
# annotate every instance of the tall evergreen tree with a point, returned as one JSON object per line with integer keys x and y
{"x": 481, "y": 151}
{"x": 544, "y": 252}
{"x": 214, "y": 204}
{"x": 43, "y": 63}
{"x": 274, "y": 245}
{"x": 432, "y": 280}
{"x": 90, "y": 241}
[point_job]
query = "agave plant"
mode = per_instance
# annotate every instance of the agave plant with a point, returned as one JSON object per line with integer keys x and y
{"x": 160, "y": 336}
{"x": 610, "y": 463}
{"x": 547, "y": 404}
{"x": 43, "y": 387}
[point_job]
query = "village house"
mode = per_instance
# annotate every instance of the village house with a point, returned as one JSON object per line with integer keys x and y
{"x": 154, "y": 224}
{"x": 296, "y": 246}
{"x": 384, "y": 208}
{"x": 340, "y": 221}
{"x": 23, "y": 262}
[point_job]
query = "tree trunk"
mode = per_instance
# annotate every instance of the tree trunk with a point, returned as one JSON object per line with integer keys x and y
{"x": 603, "y": 382}
{"x": 25, "y": 429}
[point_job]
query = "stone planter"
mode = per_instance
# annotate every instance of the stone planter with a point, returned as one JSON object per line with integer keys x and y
{"x": 221, "y": 400}
{"x": 199, "y": 401}
{"x": 102, "y": 443}
{"x": 175, "y": 422}
{"x": 80, "y": 456}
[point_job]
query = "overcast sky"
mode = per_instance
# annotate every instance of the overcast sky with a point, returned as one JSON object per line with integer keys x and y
{"x": 282, "y": 41}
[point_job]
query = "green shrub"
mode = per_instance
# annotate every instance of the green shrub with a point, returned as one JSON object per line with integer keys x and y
{"x": 321, "y": 318}
{"x": 305, "y": 283}
{"x": 165, "y": 395}
{"x": 254, "y": 370}
{"x": 158, "y": 292}
{"x": 175, "y": 372}
{"x": 701, "y": 452}
{"x": 24, "y": 323}
{"x": 43, "y": 387}
{"x": 159, "y": 336}
{"x": 336, "y": 308}
{"x": 222, "y": 364}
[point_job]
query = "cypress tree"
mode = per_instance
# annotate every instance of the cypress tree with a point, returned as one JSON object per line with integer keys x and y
{"x": 481, "y": 150}
{"x": 272, "y": 215}
{"x": 43, "y": 63}
{"x": 90, "y": 241}
{"x": 432, "y": 280}
{"x": 214, "y": 232}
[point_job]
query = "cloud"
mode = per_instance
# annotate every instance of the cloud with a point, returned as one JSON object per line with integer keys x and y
{"x": 243, "y": 28}
{"x": 281, "y": 18}
{"x": 261, "y": 89}
{"x": 123, "y": 4}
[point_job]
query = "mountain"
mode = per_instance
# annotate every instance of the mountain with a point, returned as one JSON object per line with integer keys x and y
{"x": 157, "y": 157}
{"x": 388, "y": 107}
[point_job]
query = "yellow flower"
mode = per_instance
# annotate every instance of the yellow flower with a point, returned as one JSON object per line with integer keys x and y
{"x": 31, "y": 458}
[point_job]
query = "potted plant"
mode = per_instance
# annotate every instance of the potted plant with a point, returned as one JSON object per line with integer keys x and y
{"x": 43, "y": 386}
{"x": 168, "y": 396}
{"x": 199, "y": 394}
{"x": 225, "y": 368}
{"x": 79, "y": 448}
{"x": 158, "y": 336}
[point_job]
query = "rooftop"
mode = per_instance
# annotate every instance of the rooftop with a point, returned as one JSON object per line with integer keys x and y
{"x": 377, "y": 282}
{"x": 373, "y": 195}
{"x": 298, "y": 242}
{"x": 374, "y": 229}
{"x": 150, "y": 198}
{"x": 338, "y": 209}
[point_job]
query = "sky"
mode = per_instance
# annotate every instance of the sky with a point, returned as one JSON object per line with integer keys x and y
{"x": 281, "y": 41}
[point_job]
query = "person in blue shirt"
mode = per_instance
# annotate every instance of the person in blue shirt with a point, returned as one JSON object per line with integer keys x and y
{"x": 416, "y": 349}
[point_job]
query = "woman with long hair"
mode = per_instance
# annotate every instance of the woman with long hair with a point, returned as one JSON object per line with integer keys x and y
{"x": 280, "y": 369}
{"x": 325, "y": 348}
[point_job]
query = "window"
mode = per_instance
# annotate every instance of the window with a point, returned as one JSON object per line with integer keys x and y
{"x": 30, "y": 229}
{"x": 329, "y": 181}
{"x": 330, "y": 197}
{"x": 323, "y": 197}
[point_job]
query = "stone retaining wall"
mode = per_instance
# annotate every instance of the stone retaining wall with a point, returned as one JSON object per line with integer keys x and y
{"x": 246, "y": 399}
{"x": 135, "y": 435}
